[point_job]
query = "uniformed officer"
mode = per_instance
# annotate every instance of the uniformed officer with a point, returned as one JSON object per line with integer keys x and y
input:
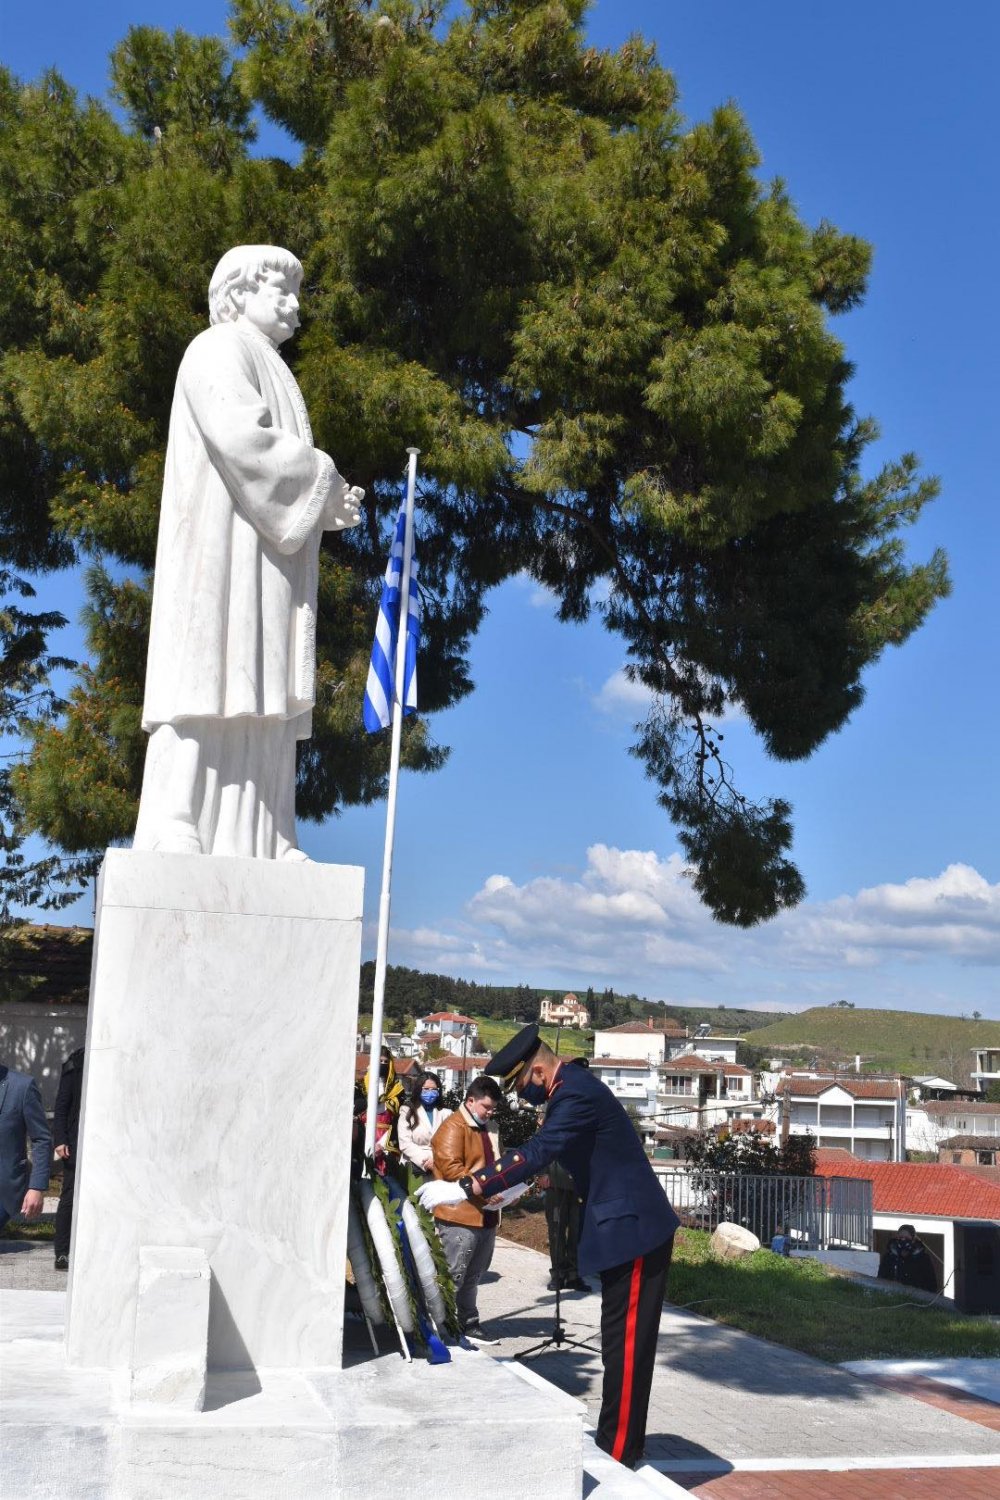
{"x": 626, "y": 1224}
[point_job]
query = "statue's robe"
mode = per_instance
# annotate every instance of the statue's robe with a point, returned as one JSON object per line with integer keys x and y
{"x": 232, "y": 647}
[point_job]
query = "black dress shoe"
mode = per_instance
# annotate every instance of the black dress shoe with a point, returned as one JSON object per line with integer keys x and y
{"x": 62, "y": 1262}
{"x": 577, "y": 1285}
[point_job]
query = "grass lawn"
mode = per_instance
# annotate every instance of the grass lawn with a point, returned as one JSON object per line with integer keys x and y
{"x": 802, "y": 1304}
{"x": 44, "y": 1230}
{"x": 572, "y": 1043}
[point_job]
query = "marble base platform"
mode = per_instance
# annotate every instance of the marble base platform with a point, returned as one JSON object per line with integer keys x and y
{"x": 461, "y": 1431}
{"x": 216, "y": 1105}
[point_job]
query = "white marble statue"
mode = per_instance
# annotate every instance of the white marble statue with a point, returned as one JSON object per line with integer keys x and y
{"x": 230, "y": 678}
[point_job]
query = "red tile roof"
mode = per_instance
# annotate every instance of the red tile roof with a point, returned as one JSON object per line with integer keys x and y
{"x": 449, "y": 1015}
{"x": 960, "y": 1107}
{"x": 988, "y": 1174}
{"x": 970, "y": 1143}
{"x": 404, "y": 1066}
{"x": 635, "y": 1028}
{"x": 928, "y": 1188}
{"x": 693, "y": 1062}
{"x": 858, "y": 1088}
{"x": 641, "y": 1064}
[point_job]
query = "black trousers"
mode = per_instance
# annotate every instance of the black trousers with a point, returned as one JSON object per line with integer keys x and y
{"x": 562, "y": 1216}
{"x": 631, "y": 1303}
{"x": 64, "y": 1213}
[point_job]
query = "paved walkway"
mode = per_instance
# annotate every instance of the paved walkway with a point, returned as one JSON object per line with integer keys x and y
{"x": 731, "y": 1417}
{"x": 735, "y": 1418}
{"x": 27, "y": 1266}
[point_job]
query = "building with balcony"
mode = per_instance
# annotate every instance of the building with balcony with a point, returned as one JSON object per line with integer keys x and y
{"x": 866, "y": 1116}
{"x": 976, "y": 1119}
{"x": 987, "y": 1069}
{"x": 699, "y": 1093}
{"x": 714, "y": 1048}
{"x": 569, "y": 1011}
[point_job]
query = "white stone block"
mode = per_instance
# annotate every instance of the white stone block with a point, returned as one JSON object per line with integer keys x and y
{"x": 733, "y": 1242}
{"x": 170, "y": 1345}
{"x": 217, "y": 1101}
{"x": 311, "y": 1436}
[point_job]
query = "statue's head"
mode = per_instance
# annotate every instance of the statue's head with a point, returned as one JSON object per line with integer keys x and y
{"x": 258, "y": 284}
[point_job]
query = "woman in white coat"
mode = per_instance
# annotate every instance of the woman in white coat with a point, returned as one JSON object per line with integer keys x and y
{"x": 418, "y": 1121}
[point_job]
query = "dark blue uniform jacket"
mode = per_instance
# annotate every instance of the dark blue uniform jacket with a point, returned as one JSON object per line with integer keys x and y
{"x": 625, "y": 1211}
{"x": 22, "y": 1118}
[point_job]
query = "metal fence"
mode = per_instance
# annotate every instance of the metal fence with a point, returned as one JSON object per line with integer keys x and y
{"x": 819, "y": 1213}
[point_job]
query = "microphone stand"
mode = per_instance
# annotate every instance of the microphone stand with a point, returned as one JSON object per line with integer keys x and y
{"x": 558, "y": 1338}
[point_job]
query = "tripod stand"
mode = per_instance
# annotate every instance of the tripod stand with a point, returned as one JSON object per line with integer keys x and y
{"x": 558, "y": 1338}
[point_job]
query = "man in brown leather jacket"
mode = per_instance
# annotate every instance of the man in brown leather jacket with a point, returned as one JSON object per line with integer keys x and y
{"x": 464, "y": 1143}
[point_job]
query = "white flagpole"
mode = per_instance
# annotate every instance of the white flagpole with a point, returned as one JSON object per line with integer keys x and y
{"x": 396, "y": 712}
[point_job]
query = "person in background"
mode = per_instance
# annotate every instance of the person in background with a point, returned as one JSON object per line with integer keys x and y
{"x": 418, "y": 1120}
{"x": 66, "y": 1131}
{"x": 22, "y": 1118}
{"x": 390, "y": 1099}
{"x": 468, "y": 1142}
{"x": 907, "y": 1260}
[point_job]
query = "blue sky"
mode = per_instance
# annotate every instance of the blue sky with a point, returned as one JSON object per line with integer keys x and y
{"x": 539, "y": 854}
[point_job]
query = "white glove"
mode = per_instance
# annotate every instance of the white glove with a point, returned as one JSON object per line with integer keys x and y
{"x": 433, "y": 1194}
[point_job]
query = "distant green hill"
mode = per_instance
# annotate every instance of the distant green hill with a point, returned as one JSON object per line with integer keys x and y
{"x": 725, "y": 1019}
{"x": 898, "y": 1041}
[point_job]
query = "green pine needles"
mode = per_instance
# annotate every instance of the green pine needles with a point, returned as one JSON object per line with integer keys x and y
{"x": 610, "y": 340}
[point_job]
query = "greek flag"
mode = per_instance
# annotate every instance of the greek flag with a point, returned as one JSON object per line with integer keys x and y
{"x": 379, "y": 689}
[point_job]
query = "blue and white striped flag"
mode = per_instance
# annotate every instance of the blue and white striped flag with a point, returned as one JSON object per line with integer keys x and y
{"x": 379, "y": 688}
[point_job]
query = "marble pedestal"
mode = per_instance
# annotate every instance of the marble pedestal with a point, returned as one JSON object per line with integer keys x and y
{"x": 469, "y": 1430}
{"x": 216, "y": 1106}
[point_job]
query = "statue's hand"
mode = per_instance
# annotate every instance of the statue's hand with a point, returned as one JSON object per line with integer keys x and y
{"x": 346, "y": 511}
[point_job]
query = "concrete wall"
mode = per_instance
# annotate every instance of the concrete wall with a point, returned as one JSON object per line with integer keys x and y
{"x": 37, "y": 1039}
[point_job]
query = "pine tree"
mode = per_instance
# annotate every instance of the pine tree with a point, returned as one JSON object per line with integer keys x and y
{"x": 48, "y": 880}
{"x": 611, "y": 343}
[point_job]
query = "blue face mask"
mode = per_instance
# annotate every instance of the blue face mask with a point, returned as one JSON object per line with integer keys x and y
{"x": 429, "y": 1096}
{"x": 533, "y": 1093}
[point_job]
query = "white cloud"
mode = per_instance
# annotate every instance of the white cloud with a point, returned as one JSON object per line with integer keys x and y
{"x": 539, "y": 597}
{"x": 618, "y": 693}
{"x": 631, "y": 919}
{"x": 954, "y": 914}
{"x": 621, "y": 695}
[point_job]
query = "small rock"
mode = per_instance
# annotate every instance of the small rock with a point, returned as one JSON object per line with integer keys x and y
{"x": 732, "y": 1242}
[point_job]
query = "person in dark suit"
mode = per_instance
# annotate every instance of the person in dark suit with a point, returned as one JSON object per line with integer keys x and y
{"x": 626, "y": 1222}
{"x": 66, "y": 1130}
{"x": 22, "y": 1118}
{"x": 907, "y": 1260}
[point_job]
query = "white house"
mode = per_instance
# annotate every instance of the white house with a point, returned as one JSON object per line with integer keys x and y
{"x": 446, "y": 1023}
{"x": 700, "y": 1093}
{"x": 866, "y": 1116}
{"x": 929, "y": 1086}
{"x": 714, "y": 1048}
{"x": 569, "y": 1011}
{"x": 457, "y": 1072}
{"x": 987, "y": 1069}
{"x": 639, "y": 1039}
{"x": 633, "y": 1080}
{"x": 964, "y": 1117}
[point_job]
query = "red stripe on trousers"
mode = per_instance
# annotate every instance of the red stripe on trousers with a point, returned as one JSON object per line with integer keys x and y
{"x": 629, "y": 1360}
